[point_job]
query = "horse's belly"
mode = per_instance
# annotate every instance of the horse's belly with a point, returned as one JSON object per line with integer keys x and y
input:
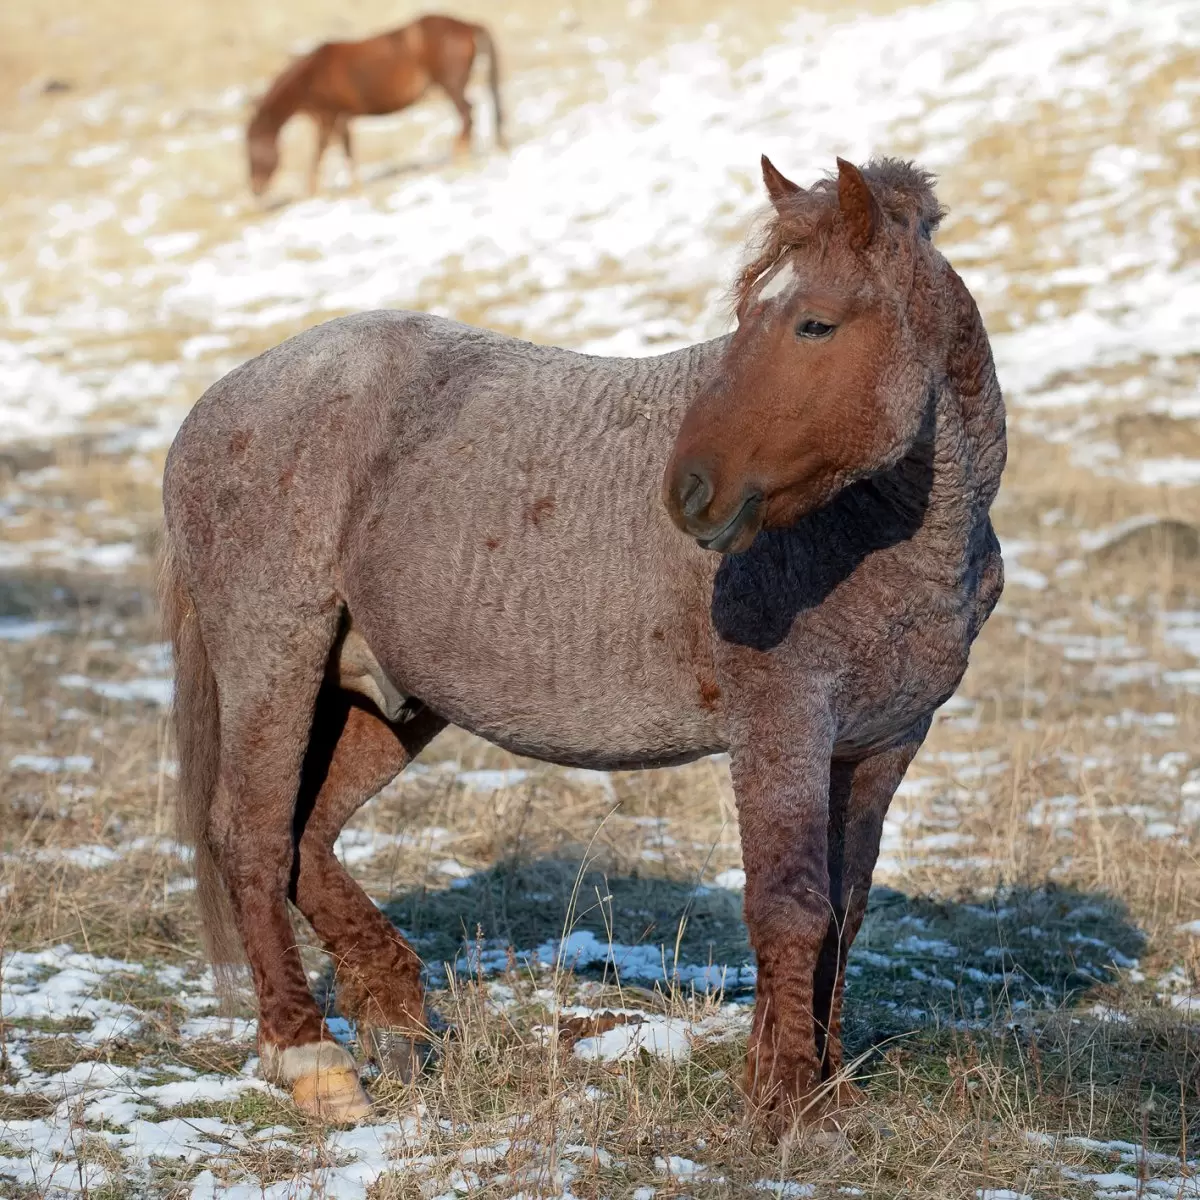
{"x": 610, "y": 721}
{"x": 571, "y": 663}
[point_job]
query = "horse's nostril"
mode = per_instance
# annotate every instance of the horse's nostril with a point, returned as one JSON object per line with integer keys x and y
{"x": 695, "y": 493}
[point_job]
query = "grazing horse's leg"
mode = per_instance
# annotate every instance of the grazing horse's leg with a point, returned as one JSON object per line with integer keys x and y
{"x": 457, "y": 91}
{"x": 859, "y": 796}
{"x": 452, "y": 73}
{"x": 353, "y": 753}
{"x": 266, "y": 713}
{"x": 781, "y": 779}
{"x": 325, "y": 123}
{"x": 343, "y": 130}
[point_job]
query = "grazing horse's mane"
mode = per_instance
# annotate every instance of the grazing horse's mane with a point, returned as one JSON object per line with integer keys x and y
{"x": 279, "y": 100}
{"x": 903, "y": 191}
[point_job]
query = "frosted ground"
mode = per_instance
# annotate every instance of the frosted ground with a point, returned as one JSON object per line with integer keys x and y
{"x": 1025, "y": 991}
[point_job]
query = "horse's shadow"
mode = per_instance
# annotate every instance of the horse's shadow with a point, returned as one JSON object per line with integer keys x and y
{"x": 384, "y": 173}
{"x": 942, "y": 996}
{"x": 415, "y": 166}
{"x": 916, "y": 963}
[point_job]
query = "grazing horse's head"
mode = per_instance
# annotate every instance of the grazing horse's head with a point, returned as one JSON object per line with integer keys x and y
{"x": 262, "y": 148}
{"x": 828, "y": 374}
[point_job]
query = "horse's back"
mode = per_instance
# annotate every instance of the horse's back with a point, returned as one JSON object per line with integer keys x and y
{"x": 362, "y": 408}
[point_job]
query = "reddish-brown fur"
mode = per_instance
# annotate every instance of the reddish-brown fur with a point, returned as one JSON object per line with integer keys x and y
{"x": 842, "y": 449}
{"x": 382, "y": 74}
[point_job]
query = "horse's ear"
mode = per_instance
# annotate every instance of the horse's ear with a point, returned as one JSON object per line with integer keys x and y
{"x": 860, "y": 212}
{"x": 779, "y": 186}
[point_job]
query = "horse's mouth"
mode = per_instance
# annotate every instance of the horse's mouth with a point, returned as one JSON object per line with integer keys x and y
{"x": 739, "y": 531}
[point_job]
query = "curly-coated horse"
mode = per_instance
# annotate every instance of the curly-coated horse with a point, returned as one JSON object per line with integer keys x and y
{"x": 775, "y": 544}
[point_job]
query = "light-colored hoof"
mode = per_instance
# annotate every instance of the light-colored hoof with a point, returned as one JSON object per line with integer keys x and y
{"x": 334, "y": 1096}
{"x": 322, "y": 1077}
{"x": 830, "y": 1138}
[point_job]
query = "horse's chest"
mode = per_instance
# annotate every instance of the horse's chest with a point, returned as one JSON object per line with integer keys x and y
{"x": 901, "y": 670}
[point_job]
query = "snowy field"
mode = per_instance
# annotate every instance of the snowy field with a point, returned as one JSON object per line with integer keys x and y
{"x": 1025, "y": 994}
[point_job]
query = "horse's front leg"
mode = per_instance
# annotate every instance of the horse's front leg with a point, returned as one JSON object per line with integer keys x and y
{"x": 859, "y": 795}
{"x": 342, "y": 128}
{"x": 781, "y": 779}
{"x": 325, "y": 123}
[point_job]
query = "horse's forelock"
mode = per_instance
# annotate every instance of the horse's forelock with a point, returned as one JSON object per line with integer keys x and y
{"x": 794, "y": 219}
{"x": 902, "y": 190}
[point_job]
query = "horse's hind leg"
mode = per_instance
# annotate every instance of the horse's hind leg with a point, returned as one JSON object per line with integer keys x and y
{"x": 267, "y": 708}
{"x": 452, "y": 73}
{"x": 457, "y": 91}
{"x": 353, "y": 753}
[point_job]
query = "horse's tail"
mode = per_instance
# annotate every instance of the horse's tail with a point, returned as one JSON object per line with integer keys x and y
{"x": 485, "y": 42}
{"x": 198, "y": 743}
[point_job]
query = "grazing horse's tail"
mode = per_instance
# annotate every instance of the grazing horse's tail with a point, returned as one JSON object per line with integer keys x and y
{"x": 198, "y": 738}
{"x": 485, "y": 42}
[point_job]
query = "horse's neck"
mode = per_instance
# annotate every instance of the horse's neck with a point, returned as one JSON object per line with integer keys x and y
{"x": 282, "y": 99}
{"x": 948, "y": 480}
{"x": 651, "y": 394}
{"x": 271, "y": 116}
{"x": 668, "y": 383}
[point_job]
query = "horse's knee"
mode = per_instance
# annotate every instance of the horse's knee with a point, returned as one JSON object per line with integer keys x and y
{"x": 781, "y": 917}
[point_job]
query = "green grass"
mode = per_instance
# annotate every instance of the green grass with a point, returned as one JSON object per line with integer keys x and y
{"x": 252, "y": 1110}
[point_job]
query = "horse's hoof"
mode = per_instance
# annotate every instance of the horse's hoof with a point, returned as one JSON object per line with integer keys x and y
{"x": 827, "y": 1137}
{"x": 333, "y": 1096}
{"x": 825, "y": 1132}
{"x": 398, "y": 1055}
{"x": 847, "y": 1095}
{"x": 817, "y": 1118}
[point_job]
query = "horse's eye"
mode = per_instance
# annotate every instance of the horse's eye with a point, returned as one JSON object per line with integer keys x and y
{"x": 809, "y": 328}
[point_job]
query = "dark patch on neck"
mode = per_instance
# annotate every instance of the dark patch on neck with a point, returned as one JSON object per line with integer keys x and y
{"x": 758, "y": 594}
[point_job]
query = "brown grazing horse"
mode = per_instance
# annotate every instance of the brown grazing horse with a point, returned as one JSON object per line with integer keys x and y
{"x": 383, "y": 74}
{"x": 392, "y": 522}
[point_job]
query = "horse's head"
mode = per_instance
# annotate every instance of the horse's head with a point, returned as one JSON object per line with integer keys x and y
{"x": 262, "y": 149}
{"x": 827, "y": 376}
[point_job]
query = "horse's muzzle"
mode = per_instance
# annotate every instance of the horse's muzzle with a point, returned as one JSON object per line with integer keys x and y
{"x": 689, "y": 496}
